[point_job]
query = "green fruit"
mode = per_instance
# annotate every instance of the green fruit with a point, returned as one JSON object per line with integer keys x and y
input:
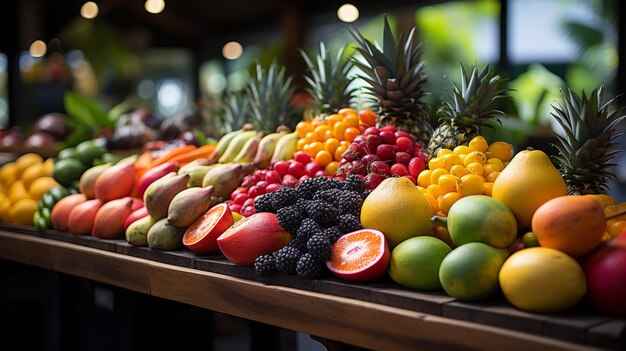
{"x": 45, "y": 214}
{"x": 48, "y": 201}
{"x": 58, "y": 193}
{"x": 67, "y": 171}
{"x": 162, "y": 236}
{"x": 480, "y": 218}
{"x": 39, "y": 222}
{"x": 69, "y": 152}
{"x": 109, "y": 157}
{"x": 530, "y": 240}
{"x": 87, "y": 151}
{"x": 470, "y": 272}
{"x": 415, "y": 262}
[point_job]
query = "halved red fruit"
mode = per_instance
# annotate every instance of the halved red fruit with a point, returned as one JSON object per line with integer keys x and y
{"x": 201, "y": 236}
{"x": 361, "y": 256}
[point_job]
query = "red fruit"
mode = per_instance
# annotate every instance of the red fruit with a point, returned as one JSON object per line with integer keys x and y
{"x": 273, "y": 187}
{"x": 372, "y": 180}
{"x": 240, "y": 198}
{"x": 290, "y": 181}
{"x": 359, "y": 139}
{"x": 262, "y": 185}
{"x": 301, "y": 179}
{"x": 201, "y": 236}
{"x": 253, "y": 192}
{"x": 390, "y": 128}
{"x": 404, "y": 144}
{"x": 387, "y": 137}
{"x": 399, "y": 169}
{"x": 605, "y": 269}
{"x": 622, "y": 235}
{"x": 360, "y": 256}
{"x": 372, "y": 142}
{"x": 282, "y": 168}
{"x": 343, "y": 162}
{"x": 370, "y": 131}
{"x": 239, "y": 190}
{"x": 248, "y": 211}
{"x": 62, "y": 209}
{"x": 416, "y": 166}
{"x": 296, "y": 169}
{"x": 272, "y": 177}
{"x": 367, "y": 159}
{"x": 302, "y": 157}
{"x": 359, "y": 167}
{"x": 402, "y": 133}
{"x": 358, "y": 149}
{"x": 251, "y": 237}
{"x": 247, "y": 181}
{"x": 411, "y": 178}
{"x": 248, "y": 202}
{"x": 311, "y": 168}
{"x": 82, "y": 216}
{"x": 418, "y": 150}
{"x": 234, "y": 207}
{"x": 135, "y": 216}
{"x": 379, "y": 167}
{"x": 403, "y": 157}
{"x": 321, "y": 173}
{"x": 386, "y": 152}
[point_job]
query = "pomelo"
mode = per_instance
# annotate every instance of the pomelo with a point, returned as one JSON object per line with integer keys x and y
{"x": 415, "y": 262}
{"x": 362, "y": 255}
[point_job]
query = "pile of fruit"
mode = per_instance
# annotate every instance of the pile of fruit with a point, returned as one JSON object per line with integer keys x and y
{"x": 361, "y": 195}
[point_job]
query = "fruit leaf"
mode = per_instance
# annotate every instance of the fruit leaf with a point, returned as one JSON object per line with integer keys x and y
{"x": 86, "y": 111}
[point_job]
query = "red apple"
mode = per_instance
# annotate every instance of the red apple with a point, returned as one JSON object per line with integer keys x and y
{"x": 251, "y": 237}
{"x": 201, "y": 236}
{"x": 605, "y": 269}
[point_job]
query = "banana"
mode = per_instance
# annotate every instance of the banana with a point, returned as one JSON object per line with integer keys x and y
{"x": 285, "y": 148}
{"x": 222, "y": 145}
{"x": 235, "y": 146}
{"x": 248, "y": 151}
{"x": 197, "y": 173}
{"x": 266, "y": 149}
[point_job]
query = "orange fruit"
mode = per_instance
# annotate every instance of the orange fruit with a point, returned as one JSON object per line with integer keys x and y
{"x": 500, "y": 150}
{"x": 360, "y": 256}
{"x": 340, "y": 150}
{"x": 446, "y": 201}
{"x": 331, "y": 168}
{"x": 431, "y": 200}
{"x": 351, "y": 120}
{"x": 302, "y": 128}
{"x": 478, "y": 144}
{"x": 300, "y": 144}
{"x": 318, "y": 122}
{"x": 368, "y": 117}
{"x": 323, "y": 157}
{"x": 314, "y": 148}
{"x": 331, "y": 145}
{"x": 346, "y": 111}
{"x": 310, "y": 137}
{"x": 321, "y": 131}
{"x": 339, "y": 129}
{"x": 616, "y": 227}
{"x": 345, "y": 143}
{"x": 332, "y": 119}
{"x": 351, "y": 133}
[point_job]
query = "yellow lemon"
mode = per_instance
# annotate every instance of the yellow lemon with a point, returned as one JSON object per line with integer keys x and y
{"x": 478, "y": 144}
{"x": 5, "y": 206}
{"x": 48, "y": 167}
{"x": 8, "y": 174}
{"x": 500, "y": 150}
{"x": 26, "y": 161}
{"x": 22, "y": 211}
{"x": 18, "y": 191}
{"x": 31, "y": 173}
{"x": 41, "y": 186}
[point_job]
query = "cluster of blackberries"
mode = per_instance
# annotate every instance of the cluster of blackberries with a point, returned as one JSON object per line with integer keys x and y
{"x": 316, "y": 213}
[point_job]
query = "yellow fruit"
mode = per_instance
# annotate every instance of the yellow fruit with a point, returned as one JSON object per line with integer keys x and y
{"x": 462, "y": 150}
{"x": 458, "y": 171}
{"x": 470, "y": 184}
{"x": 496, "y": 161}
{"x": 17, "y": 192}
{"x": 447, "y": 183}
{"x": 432, "y": 201}
{"x": 41, "y": 186}
{"x": 603, "y": 199}
{"x": 423, "y": 179}
{"x": 26, "y": 161}
{"x": 488, "y": 188}
{"x": 444, "y": 152}
{"x": 5, "y": 206}
{"x": 478, "y": 144}
{"x": 501, "y": 150}
{"x": 339, "y": 129}
{"x": 22, "y": 211}
{"x": 615, "y": 228}
{"x": 48, "y": 167}
{"x": 451, "y": 160}
{"x": 331, "y": 168}
{"x": 540, "y": 279}
{"x": 398, "y": 209}
{"x": 529, "y": 181}
{"x": 490, "y": 168}
{"x": 32, "y": 173}
{"x": 434, "y": 176}
{"x": 491, "y": 177}
{"x": 447, "y": 200}
{"x": 8, "y": 174}
{"x": 434, "y": 190}
{"x": 475, "y": 168}
{"x": 435, "y": 163}
{"x": 475, "y": 156}
{"x": 606, "y": 236}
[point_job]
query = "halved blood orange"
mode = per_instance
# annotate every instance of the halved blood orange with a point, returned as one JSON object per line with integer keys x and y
{"x": 201, "y": 236}
{"x": 362, "y": 255}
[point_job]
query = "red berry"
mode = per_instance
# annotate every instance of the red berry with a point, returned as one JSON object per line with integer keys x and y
{"x": 240, "y": 198}
{"x": 262, "y": 185}
{"x": 379, "y": 167}
{"x": 358, "y": 149}
{"x": 370, "y": 158}
{"x": 390, "y": 128}
{"x": 272, "y": 177}
{"x": 321, "y": 173}
{"x": 254, "y": 192}
{"x": 342, "y": 162}
{"x": 416, "y": 166}
{"x": 302, "y": 157}
{"x": 301, "y": 179}
{"x": 273, "y": 187}
{"x": 387, "y": 137}
{"x": 257, "y": 177}
{"x": 403, "y": 157}
{"x": 372, "y": 180}
{"x": 296, "y": 169}
{"x": 248, "y": 211}
{"x": 370, "y": 131}
{"x": 386, "y": 152}
{"x": 404, "y": 144}
{"x": 359, "y": 167}
{"x": 311, "y": 168}
{"x": 372, "y": 142}
{"x": 359, "y": 139}
{"x": 281, "y": 167}
{"x": 248, "y": 202}
{"x": 234, "y": 207}
{"x": 411, "y": 178}
{"x": 289, "y": 181}
{"x": 402, "y": 133}
{"x": 247, "y": 182}
{"x": 399, "y": 169}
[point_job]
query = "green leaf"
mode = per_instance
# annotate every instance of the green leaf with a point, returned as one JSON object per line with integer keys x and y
{"x": 86, "y": 111}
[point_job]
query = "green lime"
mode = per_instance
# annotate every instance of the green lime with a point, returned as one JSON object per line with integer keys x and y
{"x": 87, "y": 151}
{"x": 58, "y": 193}
{"x": 415, "y": 262}
{"x": 67, "y": 171}
{"x": 39, "y": 222}
{"x": 69, "y": 152}
{"x": 530, "y": 240}
{"x": 48, "y": 201}
{"x": 109, "y": 157}
{"x": 45, "y": 214}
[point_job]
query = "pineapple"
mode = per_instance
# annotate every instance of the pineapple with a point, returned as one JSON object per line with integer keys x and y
{"x": 396, "y": 78}
{"x": 470, "y": 110}
{"x": 235, "y": 112}
{"x": 328, "y": 81}
{"x": 270, "y": 96}
{"x": 589, "y": 141}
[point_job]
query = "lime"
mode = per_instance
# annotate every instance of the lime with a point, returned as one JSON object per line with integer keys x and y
{"x": 48, "y": 201}
{"x": 470, "y": 272}
{"x": 415, "y": 262}
{"x": 69, "y": 152}
{"x": 530, "y": 240}
{"x": 39, "y": 222}
{"x": 87, "y": 151}
{"x": 58, "y": 193}
{"x": 45, "y": 214}
{"x": 68, "y": 170}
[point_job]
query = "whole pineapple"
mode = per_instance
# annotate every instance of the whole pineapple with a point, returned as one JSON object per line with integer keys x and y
{"x": 470, "y": 109}
{"x": 396, "y": 78}
{"x": 328, "y": 81}
{"x": 589, "y": 141}
{"x": 270, "y": 95}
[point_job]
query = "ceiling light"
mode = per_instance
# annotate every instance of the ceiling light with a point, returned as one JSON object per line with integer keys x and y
{"x": 89, "y": 10}
{"x": 232, "y": 50}
{"x": 348, "y": 13}
{"x": 155, "y": 6}
{"x": 37, "y": 48}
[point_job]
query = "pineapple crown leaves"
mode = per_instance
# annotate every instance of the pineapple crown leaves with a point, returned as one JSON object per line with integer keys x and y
{"x": 328, "y": 80}
{"x": 270, "y": 95}
{"x": 236, "y": 111}
{"x": 395, "y": 73}
{"x": 471, "y": 101}
{"x": 590, "y": 139}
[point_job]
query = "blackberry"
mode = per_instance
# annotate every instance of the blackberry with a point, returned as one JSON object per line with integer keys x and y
{"x": 284, "y": 197}
{"x": 354, "y": 183}
{"x": 263, "y": 203}
{"x": 323, "y": 213}
{"x": 299, "y": 243}
{"x": 319, "y": 247}
{"x": 287, "y": 259}
{"x": 308, "y": 267}
{"x": 365, "y": 194}
{"x": 330, "y": 196}
{"x": 350, "y": 202}
{"x": 349, "y": 223}
{"x": 265, "y": 265}
{"x": 289, "y": 218}
{"x": 309, "y": 187}
{"x": 333, "y": 234}
{"x": 308, "y": 228}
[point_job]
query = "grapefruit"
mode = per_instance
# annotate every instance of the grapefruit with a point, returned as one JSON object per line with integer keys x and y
{"x": 361, "y": 256}
{"x": 201, "y": 236}
{"x": 470, "y": 272}
{"x": 415, "y": 262}
{"x": 541, "y": 279}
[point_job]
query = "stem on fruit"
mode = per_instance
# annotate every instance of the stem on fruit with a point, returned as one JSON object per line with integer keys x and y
{"x": 440, "y": 221}
{"x": 614, "y": 215}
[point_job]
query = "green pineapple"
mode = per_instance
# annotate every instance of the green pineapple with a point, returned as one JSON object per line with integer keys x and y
{"x": 328, "y": 81}
{"x": 470, "y": 110}
{"x": 270, "y": 95}
{"x": 589, "y": 141}
{"x": 396, "y": 78}
{"x": 235, "y": 112}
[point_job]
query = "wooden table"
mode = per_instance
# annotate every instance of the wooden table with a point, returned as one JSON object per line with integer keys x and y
{"x": 381, "y": 316}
